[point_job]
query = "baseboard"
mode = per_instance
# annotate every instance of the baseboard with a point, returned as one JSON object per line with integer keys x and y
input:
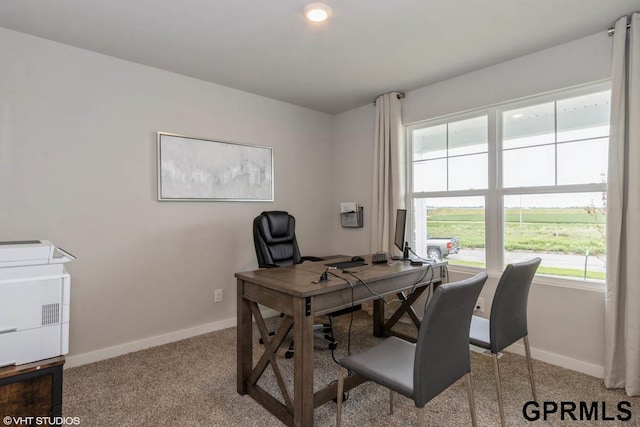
{"x": 545, "y": 356}
{"x": 109, "y": 352}
{"x": 119, "y": 350}
{"x": 559, "y": 360}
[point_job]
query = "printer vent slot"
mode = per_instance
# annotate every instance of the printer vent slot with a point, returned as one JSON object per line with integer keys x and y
{"x": 50, "y": 314}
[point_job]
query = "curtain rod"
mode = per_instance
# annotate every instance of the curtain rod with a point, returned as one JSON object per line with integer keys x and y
{"x": 400, "y": 96}
{"x": 612, "y": 30}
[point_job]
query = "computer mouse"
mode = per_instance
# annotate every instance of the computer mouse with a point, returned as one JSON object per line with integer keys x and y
{"x": 357, "y": 259}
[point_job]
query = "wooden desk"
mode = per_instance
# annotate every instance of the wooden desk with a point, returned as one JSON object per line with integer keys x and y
{"x": 291, "y": 291}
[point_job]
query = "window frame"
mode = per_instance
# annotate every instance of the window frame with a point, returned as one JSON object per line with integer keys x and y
{"x": 495, "y": 192}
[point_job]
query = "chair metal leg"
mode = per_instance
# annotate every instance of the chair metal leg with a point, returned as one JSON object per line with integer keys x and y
{"x": 339, "y": 395}
{"x": 472, "y": 402}
{"x": 528, "y": 351}
{"x": 390, "y": 402}
{"x": 420, "y": 416}
{"x": 498, "y": 387}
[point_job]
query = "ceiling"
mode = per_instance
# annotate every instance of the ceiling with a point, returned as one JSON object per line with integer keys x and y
{"x": 266, "y": 47}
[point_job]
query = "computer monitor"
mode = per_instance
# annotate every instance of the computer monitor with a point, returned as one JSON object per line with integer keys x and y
{"x": 401, "y": 226}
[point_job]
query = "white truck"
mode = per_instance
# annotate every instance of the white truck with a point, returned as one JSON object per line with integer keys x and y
{"x": 441, "y": 247}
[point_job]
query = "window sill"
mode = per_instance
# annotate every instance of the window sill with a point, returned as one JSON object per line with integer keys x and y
{"x": 539, "y": 279}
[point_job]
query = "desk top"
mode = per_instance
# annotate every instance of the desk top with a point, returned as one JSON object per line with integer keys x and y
{"x": 298, "y": 280}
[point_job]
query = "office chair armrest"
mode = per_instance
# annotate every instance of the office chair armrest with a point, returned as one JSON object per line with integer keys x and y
{"x": 311, "y": 258}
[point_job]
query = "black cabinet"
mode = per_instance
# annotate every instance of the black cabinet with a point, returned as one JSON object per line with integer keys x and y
{"x": 31, "y": 390}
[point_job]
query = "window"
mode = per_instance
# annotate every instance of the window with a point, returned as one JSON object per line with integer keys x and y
{"x": 441, "y": 152}
{"x": 514, "y": 181}
{"x": 451, "y": 159}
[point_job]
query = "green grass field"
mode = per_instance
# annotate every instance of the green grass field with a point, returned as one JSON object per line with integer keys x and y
{"x": 568, "y": 230}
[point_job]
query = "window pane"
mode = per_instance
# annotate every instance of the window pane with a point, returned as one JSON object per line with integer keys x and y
{"x": 527, "y": 126}
{"x": 442, "y": 223}
{"x": 566, "y": 230}
{"x": 558, "y": 141}
{"x": 527, "y": 167}
{"x": 468, "y": 136}
{"x": 430, "y": 143}
{"x": 584, "y": 117}
{"x": 468, "y": 172}
{"x": 430, "y": 175}
{"x": 583, "y": 162}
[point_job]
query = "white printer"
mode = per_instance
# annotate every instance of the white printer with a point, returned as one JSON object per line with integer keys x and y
{"x": 34, "y": 301}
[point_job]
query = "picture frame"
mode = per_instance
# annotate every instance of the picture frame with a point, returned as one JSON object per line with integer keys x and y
{"x": 199, "y": 169}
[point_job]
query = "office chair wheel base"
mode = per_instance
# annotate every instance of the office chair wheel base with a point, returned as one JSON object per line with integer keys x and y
{"x": 271, "y": 333}
{"x": 288, "y": 354}
{"x": 345, "y": 396}
{"x": 333, "y": 345}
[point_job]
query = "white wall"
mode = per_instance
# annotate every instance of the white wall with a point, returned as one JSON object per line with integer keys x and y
{"x": 78, "y": 167}
{"x": 566, "y": 325}
{"x": 578, "y": 62}
{"x": 353, "y": 174}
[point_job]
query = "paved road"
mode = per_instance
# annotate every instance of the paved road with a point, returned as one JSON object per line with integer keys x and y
{"x": 594, "y": 263}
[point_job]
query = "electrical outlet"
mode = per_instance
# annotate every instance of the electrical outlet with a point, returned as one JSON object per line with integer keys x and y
{"x": 480, "y": 305}
{"x": 218, "y": 295}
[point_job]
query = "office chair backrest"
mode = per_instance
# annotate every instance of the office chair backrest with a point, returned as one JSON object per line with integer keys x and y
{"x": 274, "y": 237}
{"x": 442, "y": 350}
{"x": 508, "y": 320}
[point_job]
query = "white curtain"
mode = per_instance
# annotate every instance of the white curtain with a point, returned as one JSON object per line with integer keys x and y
{"x": 622, "y": 303}
{"x": 388, "y": 171}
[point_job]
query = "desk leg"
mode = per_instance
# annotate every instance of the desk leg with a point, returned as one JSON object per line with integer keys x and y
{"x": 303, "y": 362}
{"x": 378, "y": 318}
{"x": 244, "y": 341}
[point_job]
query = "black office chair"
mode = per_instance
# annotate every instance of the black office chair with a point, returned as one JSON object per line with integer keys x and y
{"x": 508, "y": 319}
{"x": 438, "y": 359}
{"x": 274, "y": 237}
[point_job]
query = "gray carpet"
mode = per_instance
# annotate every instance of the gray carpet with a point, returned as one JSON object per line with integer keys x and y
{"x": 193, "y": 383}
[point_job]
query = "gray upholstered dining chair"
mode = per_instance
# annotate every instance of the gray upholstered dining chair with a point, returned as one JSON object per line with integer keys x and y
{"x": 438, "y": 359}
{"x": 507, "y": 322}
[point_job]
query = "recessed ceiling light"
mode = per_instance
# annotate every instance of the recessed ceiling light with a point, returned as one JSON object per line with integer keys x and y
{"x": 316, "y": 12}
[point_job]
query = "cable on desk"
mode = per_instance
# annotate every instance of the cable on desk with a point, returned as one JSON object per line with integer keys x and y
{"x": 445, "y": 273}
{"x": 422, "y": 279}
{"x": 419, "y": 257}
{"x": 413, "y": 287}
{"x": 428, "y": 270}
{"x": 445, "y": 267}
{"x": 332, "y": 348}
{"x": 350, "y": 318}
{"x": 365, "y": 285}
{"x": 345, "y": 396}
